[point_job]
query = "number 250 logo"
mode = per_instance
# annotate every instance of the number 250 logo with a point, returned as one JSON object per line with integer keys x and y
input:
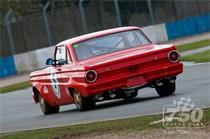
{"x": 183, "y": 113}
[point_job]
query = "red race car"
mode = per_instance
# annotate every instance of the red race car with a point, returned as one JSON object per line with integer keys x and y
{"x": 109, "y": 64}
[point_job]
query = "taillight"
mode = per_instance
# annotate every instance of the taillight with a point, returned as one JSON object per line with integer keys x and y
{"x": 91, "y": 76}
{"x": 173, "y": 56}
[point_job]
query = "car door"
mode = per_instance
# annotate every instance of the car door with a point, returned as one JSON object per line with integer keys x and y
{"x": 60, "y": 75}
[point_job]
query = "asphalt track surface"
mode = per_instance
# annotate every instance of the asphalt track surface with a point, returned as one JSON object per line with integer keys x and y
{"x": 19, "y": 112}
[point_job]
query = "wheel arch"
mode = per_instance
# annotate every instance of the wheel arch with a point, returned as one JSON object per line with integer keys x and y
{"x": 71, "y": 91}
{"x": 36, "y": 94}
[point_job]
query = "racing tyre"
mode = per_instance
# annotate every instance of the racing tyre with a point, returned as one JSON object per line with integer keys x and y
{"x": 83, "y": 103}
{"x": 46, "y": 108}
{"x": 166, "y": 89}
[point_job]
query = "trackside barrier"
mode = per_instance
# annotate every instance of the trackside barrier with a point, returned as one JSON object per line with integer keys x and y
{"x": 7, "y": 66}
{"x": 156, "y": 33}
{"x": 33, "y": 60}
{"x": 188, "y": 26}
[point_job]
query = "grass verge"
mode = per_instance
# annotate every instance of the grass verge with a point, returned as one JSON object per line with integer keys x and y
{"x": 198, "y": 58}
{"x": 194, "y": 45}
{"x": 13, "y": 87}
{"x": 113, "y": 126}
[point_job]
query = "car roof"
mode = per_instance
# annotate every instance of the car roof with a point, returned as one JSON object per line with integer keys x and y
{"x": 96, "y": 34}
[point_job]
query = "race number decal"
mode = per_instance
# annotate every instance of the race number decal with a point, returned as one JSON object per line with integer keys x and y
{"x": 55, "y": 86}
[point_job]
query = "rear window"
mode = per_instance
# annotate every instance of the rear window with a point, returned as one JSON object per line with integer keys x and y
{"x": 109, "y": 43}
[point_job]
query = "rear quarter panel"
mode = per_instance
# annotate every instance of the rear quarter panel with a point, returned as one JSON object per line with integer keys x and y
{"x": 53, "y": 85}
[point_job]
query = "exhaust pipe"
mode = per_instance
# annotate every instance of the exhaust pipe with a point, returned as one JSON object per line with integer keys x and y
{"x": 128, "y": 92}
{"x": 112, "y": 94}
{"x": 99, "y": 97}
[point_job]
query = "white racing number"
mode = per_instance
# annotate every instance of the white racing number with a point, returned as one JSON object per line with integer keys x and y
{"x": 55, "y": 86}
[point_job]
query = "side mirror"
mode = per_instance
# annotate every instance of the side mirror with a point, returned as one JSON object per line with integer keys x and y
{"x": 49, "y": 61}
{"x": 61, "y": 62}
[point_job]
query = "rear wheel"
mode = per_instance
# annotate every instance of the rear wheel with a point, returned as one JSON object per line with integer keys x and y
{"x": 166, "y": 89}
{"x": 83, "y": 103}
{"x": 46, "y": 108}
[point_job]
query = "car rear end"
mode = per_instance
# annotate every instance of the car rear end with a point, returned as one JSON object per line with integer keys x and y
{"x": 123, "y": 60}
{"x": 132, "y": 69}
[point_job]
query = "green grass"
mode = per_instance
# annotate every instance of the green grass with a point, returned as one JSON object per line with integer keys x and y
{"x": 199, "y": 57}
{"x": 194, "y": 45}
{"x": 125, "y": 125}
{"x": 13, "y": 87}
{"x": 114, "y": 126}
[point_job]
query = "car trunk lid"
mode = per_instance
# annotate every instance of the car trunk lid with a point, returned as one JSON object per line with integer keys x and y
{"x": 129, "y": 62}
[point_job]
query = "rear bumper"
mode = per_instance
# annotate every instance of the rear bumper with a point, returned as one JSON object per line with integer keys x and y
{"x": 130, "y": 80}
